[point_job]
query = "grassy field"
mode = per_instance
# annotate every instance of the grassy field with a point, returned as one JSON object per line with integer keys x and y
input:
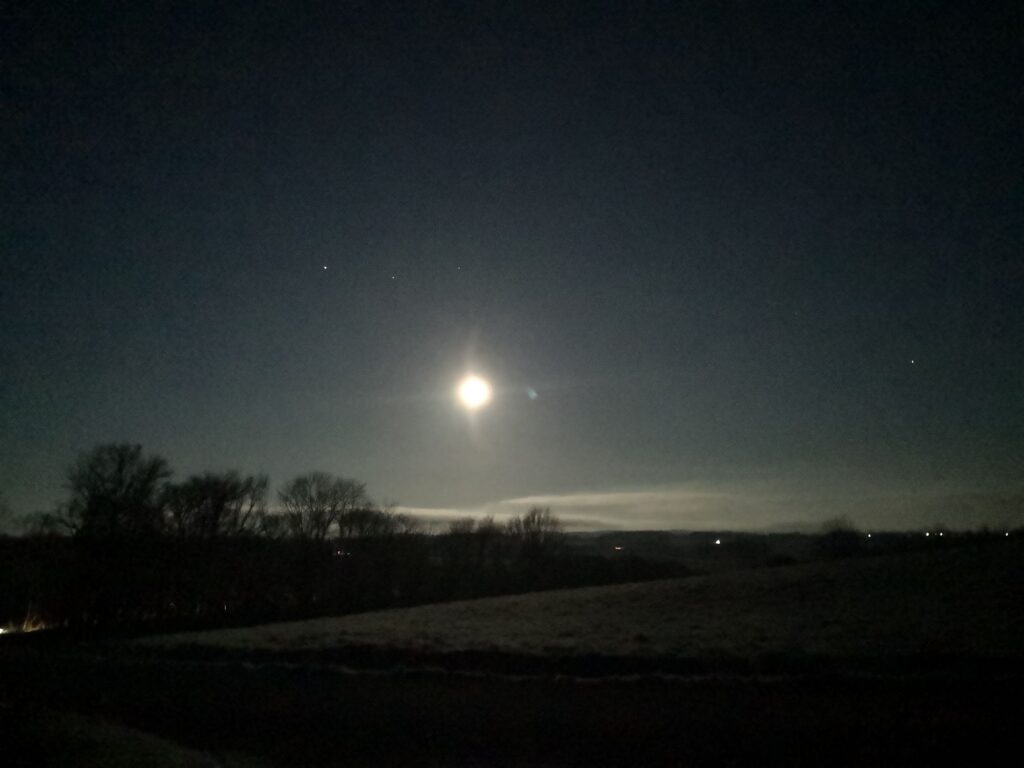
{"x": 956, "y": 603}
{"x": 897, "y": 659}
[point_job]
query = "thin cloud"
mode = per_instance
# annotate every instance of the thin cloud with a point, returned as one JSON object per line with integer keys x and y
{"x": 751, "y": 508}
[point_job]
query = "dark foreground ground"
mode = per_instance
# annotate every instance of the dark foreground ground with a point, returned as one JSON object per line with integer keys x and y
{"x": 63, "y": 707}
{"x": 896, "y": 660}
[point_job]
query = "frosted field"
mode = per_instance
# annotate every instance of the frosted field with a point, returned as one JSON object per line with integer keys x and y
{"x": 967, "y": 601}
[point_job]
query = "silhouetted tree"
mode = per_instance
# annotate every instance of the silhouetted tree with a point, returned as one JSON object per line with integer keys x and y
{"x": 488, "y": 539}
{"x": 475, "y": 543}
{"x": 840, "y": 538}
{"x": 315, "y": 503}
{"x": 115, "y": 491}
{"x": 405, "y": 525}
{"x": 210, "y": 505}
{"x": 464, "y": 526}
{"x": 473, "y": 556}
{"x": 365, "y": 523}
{"x": 456, "y": 548}
{"x": 538, "y": 534}
{"x": 271, "y": 525}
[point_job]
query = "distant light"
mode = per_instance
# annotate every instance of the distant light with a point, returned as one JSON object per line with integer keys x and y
{"x": 941, "y": 533}
{"x": 718, "y": 541}
{"x": 927, "y": 533}
{"x": 617, "y": 548}
{"x": 3, "y": 630}
{"x": 1006, "y": 534}
{"x": 869, "y": 535}
{"x": 325, "y": 266}
{"x": 911, "y": 362}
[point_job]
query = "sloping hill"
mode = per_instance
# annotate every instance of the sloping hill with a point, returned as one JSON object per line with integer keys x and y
{"x": 913, "y": 659}
{"x": 959, "y": 602}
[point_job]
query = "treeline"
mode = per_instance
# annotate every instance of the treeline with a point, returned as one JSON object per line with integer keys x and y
{"x": 129, "y": 547}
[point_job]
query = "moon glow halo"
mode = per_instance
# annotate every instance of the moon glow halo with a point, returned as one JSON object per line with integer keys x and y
{"x": 474, "y": 392}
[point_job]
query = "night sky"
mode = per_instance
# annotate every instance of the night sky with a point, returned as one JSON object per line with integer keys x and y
{"x": 725, "y": 264}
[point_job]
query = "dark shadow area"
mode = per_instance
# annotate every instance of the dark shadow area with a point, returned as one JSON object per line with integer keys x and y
{"x": 311, "y": 715}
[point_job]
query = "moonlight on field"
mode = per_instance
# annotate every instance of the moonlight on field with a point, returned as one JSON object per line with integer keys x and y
{"x": 474, "y": 392}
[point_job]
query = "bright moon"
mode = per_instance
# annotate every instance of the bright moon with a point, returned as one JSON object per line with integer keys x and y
{"x": 474, "y": 392}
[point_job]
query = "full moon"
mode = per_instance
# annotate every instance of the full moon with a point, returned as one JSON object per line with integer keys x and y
{"x": 474, "y": 392}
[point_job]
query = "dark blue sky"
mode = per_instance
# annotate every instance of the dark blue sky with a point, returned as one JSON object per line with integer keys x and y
{"x": 769, "y": 254}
